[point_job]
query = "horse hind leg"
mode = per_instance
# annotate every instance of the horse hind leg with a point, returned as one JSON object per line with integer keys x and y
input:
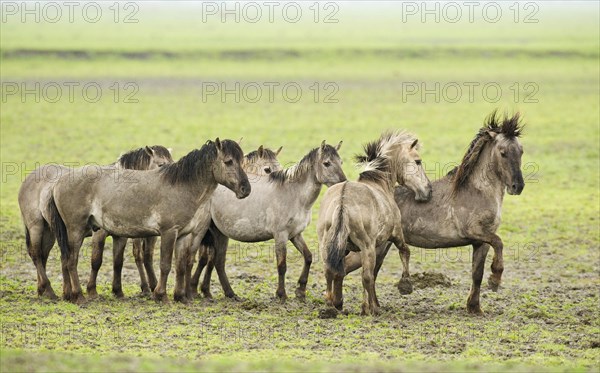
{"x": 75, "y": 245}
{"x": 48, "y": 240}
{"x": 479, "y": 254}
{"x": 138, "y": 254}
{"x": 98, "y": 241}
{"x": 369, "y": 306}
{"x": 34, "y": 243}
{"x": 301, "y": 245}
{"x": 218, "y": 258}
{"x": 202, "y": 261}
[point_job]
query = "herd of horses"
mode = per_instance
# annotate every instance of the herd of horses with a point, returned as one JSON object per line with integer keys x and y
{"x": 205, "y": 198}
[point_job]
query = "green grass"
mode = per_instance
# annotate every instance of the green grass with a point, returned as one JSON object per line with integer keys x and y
{"x": 544, "y": 318}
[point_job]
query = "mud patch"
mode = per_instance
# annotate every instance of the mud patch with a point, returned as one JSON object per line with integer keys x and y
{"x": 328, "y": 313}
{"x": 430, "y": 279}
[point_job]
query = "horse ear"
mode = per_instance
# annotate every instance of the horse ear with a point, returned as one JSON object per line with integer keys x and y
{"x": 414, "y": 143}
{"x": 240, "y": 141}
{"x": 149, "y": 151}
{"x": 260, "y": 151}
{"x": 278, "y": 150}
{"x": 492, "y": 134}
{"x": 170, "y": 150}
{"x": 323, "y": 145}
{"x": 218, "y": 144}
{"x": 339, "y": 145}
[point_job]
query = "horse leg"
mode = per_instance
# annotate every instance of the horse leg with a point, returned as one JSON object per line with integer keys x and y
{"x": 167, "y": 244}
{"x": 98, "y": 240}
{"x": 67, "y": 290}
{"x": 75, "y": 245}
{"x": 338, "y": 294}
{"x": 479, "y": 254}
{"x": 182, "y": 257}
{"x": 218, "y": 256}
{"x": 369, "y": 306}
{"x": 300, "y": 244}
{"x": 280, "y": 253}
{"x": 34, "y": 249}
{"x": 47, "y": 244}
{"x": 138, "y": 254}
{"x": 119, "y": 244}
{"x": 329, "y": 289}
{"x": 497, "y": 264}
{"x": 202, "y": 260}
{"x": 405, "y": 286}
{"x": 148, "y": 246}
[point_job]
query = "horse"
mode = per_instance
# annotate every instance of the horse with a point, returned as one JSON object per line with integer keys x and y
{"x": 257, "y": 164}
{"x": 35, "y": 193}
{"x": 279, "y": 208}
{"x": 466, "y": 205}
{"x": 143, "y": 249}
{"x": 171, "y": 202}
{"x": 358, "y": 216}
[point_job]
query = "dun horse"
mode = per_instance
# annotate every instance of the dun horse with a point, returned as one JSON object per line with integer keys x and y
{"x": 172, "y": 202}
{"x": 279, "y": 208}
{"x": 35, "y": 193}
{"x": 257, "y": 164}
{"x": 359, "y": 216}
{"x": 467, "y": 203}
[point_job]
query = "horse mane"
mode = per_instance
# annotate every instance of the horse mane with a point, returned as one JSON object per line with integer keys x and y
{"x": 193, "y": 166}
{"x": 267, "y": 154}
{"x": 302, "y": 167}
{"x": 511, "y": 127}
{"x": 139, "y": 159}
{"x": 376, "y": 160}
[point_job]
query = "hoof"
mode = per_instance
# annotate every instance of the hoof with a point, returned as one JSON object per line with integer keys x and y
{"x": 118, "y": 294}
{"x": 300, "y": 294}
{"x": 234, "y": 297}
{"x": 161, "y": 297}
{"x": 474, "y": 309}
{"x": 181, "y": 298}
{"x": 369, "y": 311}
{"x": 281, "y": 295}
{"x": 78, "y": 299}
{"x": 49, "y": 294}
{"x": 493, "y": 284}
{"x": 405, "y": 286}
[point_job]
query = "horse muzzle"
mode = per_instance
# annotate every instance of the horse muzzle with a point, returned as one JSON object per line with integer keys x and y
{"x": 424, "y": 197}
{"x": 515, "y": 188}
{"x": 244, "y": 191}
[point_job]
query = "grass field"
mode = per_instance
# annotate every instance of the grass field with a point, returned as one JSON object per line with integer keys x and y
{"x": 365, "y": 73}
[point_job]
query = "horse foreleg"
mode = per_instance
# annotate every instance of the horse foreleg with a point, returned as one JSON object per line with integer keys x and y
{"x": 300, "y": 244}
{"x": 138, "y": 254}
{"x": 167, "y": 245}
{"x": 148, "y": 245}
{"x": 98, "y": 240}
{"x": 182, "y": 257}
{"x": 479, "y": 254}
{"x": 218, "y": 257}
{"x": 497, "y": 263}
{"x": 280, "y": 253}
{"x": 119, "y": 244}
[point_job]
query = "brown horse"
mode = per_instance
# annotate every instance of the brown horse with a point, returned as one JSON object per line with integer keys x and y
{"x": 359, "y": 216}
{"x": 466, "y": 205}
{"x": 172, "y": 202}
{"x": 35, "y": 193}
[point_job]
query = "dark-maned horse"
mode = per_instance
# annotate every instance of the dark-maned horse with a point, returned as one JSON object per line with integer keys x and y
{"x": 361, "y": 215}
{"x": 35, "y": 193}
{"x": 466, "y": 205}
{"x": 172, "y": 202}
{"x": 257, "y": 164}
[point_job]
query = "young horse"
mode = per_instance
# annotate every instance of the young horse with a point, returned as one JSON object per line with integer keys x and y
{"x": 143, "y": 249}
{"x": 359, "y": 216}
{"x": 172, "y": 202}
{"x": 35, "y": 193}
{"x": 257, "y": 164}
{"x": 466, "y": 204}
{"x": 279, "y": 208}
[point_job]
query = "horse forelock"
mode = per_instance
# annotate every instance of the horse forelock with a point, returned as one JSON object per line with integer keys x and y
{"x": 254, "y": 156}
{"x": 232, "y": 149}
{"x": 376, "y": 158}
{"x": 161, "y": 151}
{"x": 137, "y": 159}
{"x": 298, "y": 170}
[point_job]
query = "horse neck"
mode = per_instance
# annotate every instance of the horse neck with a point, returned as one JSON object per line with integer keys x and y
{"x": 306, "y": 187}
{"x": 485, "y": 176}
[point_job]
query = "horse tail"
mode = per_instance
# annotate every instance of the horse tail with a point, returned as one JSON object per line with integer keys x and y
{"x": 60, "y": 229}
{"x": 336, "y": 243}
{"x": 27, "y": 238}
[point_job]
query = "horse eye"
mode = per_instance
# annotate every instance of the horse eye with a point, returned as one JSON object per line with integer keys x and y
{"x": 418, "y": 162}
{"x": 503, "y": 154}
{"x": 267, "y": 170}
{"x": 229, "y": 162}
{"x": 327, "y": 164}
